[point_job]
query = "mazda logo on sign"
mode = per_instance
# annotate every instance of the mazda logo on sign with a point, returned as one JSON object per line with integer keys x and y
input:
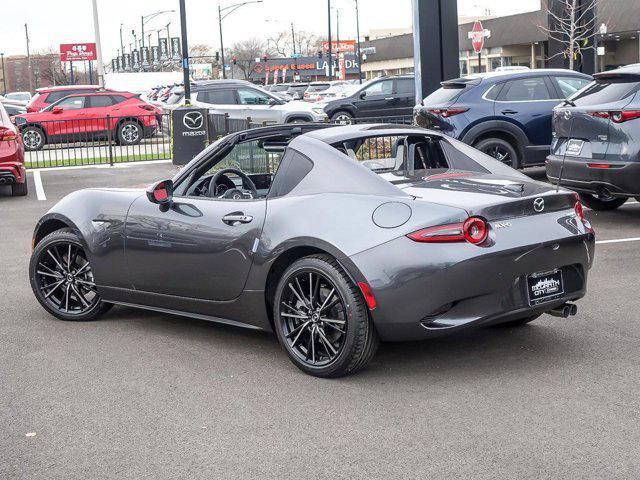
{"x": 193, "y": 120}
{"x": 538, "y": 204}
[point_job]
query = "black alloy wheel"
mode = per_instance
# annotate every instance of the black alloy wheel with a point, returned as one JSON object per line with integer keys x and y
{"x": 62, "y": 279}
{"x": 321, "y": 319}
{"x": 499, "y": 149}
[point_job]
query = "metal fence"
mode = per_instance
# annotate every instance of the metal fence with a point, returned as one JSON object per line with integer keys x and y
{"x": 110, "y": 139}
{"x": 96, "y": 140}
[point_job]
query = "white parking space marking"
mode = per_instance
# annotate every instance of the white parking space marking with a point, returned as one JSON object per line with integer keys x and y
{"x": 103, "y": 165}
{"x": 37, "y": 179}
{"x": 619, "y": 240}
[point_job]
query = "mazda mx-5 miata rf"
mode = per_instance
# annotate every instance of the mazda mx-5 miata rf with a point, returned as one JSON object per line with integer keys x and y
{"x": 333, "y": 237}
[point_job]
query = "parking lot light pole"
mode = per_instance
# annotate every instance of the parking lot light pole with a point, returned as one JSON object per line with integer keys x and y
{"x": 145, "y": 18}
{"x": 96, "y": 28}
{"x": 4, "y": 76}
{"x": 229, "y": 10}
{"x": 330, "y": 67}
{"x": 358, "y": 55}
{"x": 185, "y": 52}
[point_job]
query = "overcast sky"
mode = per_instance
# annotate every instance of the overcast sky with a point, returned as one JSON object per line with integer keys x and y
{"x": 52, "y": 22}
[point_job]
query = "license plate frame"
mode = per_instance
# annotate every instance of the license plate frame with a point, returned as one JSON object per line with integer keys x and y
{"x": 544, "y": 287}
{"x": 574, "y": 147}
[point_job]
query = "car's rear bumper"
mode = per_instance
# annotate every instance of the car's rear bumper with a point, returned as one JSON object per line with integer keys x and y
{"x": 427, "y": 290}
{"x": 589, "y": 176}
{"x": 12, "y": 172}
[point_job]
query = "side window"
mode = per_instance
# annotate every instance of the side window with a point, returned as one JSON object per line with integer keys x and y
{"x": 383, "y": 87}
{"x": 405, "y": 86}
{"x": 55, "y": 96}
{"x": 249, "y": 96}
{"x": 525, "y": 89}
{"x": 218, "y": 97}
{"x": 494, "y": 91}
{"x": 117, "y": 99}
{"x": 97, "y": 101}
{"x": 72, "y": 103}
{"x": 570, "y": 85}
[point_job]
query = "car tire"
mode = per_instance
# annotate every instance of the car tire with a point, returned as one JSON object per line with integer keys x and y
{"x": 63, "y": 283}
{"x": 319, "y": 345}
{"x": 19, "y": 189}
{"x": 129, "y": 133}
{"x": 499, "y": 149}
{"x": 520, "y": 321}
{"x": 33, "y": 138}
{"x": 602, "y": 203}
{"x": 342, "y": 118}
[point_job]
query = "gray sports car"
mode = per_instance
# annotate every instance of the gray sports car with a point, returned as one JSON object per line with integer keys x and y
{"x": 333, "y": 237}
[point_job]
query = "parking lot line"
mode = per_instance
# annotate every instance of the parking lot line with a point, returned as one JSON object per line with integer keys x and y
{"x": 619, "y": 240}
{"x": 39, "y": 188}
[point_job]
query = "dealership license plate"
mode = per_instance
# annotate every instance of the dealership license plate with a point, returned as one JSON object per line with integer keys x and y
{"x": 574, "y": 147}
{"x": 543, "y": 287}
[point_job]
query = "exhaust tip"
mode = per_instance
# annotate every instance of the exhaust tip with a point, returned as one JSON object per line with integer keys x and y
{"x": 564, "y": 311}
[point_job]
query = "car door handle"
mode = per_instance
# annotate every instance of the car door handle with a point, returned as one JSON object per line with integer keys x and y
{"x": 509, "y": 112}
{"x": 236, "y": 218}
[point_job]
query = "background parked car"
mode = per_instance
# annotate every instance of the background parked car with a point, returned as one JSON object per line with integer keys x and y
{"x": 339, "y": 90}
{"x": 84, "y": 117}
{"x": 47, "y": 95}
{"x": 311, "y": 93}
{"x": 242, "y": 99}
{"x": 504, "y": 114}
{"x": 22, "y": 97}
{"x": 12, "y": 171}
{"x": 280, "y": 91}
{"x": 296, "y": 90}
{"x": 381, "y": 97}
{"x": 597, "y": 140}
{"x": 14, "y": 108}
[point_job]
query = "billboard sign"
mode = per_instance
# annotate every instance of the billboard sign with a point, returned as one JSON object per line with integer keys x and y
{"x": 77, "y": 52}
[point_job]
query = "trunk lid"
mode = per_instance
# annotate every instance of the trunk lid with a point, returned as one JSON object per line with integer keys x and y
{"x": 493, "y": 197}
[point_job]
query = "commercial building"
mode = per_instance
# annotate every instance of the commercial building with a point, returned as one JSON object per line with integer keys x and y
{"x": 519, "y": 40}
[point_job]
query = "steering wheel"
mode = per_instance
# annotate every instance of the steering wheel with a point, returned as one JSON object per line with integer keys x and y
{"x": 246, "y": 182}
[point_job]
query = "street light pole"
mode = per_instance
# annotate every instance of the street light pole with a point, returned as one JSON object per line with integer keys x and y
{"x": 329, "y": 41}
{"x": 185, "y": 52}
{"x": 293, "y": 38}
{"x": 96, "y": 28}
{"x": 230, "y": 9}
{"x": 26, "y": 32}
{"x": 121, "y": 42}
{"x": 358, "y": 44}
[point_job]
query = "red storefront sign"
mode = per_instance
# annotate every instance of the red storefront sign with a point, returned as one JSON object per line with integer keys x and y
{"x": 77, "y": 52}
{"x": 346, "y": 46}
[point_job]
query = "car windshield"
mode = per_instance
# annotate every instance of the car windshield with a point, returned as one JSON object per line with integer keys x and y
{"x": 20, "y": 96}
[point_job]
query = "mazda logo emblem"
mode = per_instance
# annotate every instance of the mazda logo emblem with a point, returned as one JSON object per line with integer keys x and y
{"x": 538, "y": 204}
{"x": 193, "y": 120}
{"x": 567, "y": 114}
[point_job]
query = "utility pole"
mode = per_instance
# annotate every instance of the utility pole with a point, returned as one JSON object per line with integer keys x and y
{"x": 26, "y": 32}
{"x": 224, "y": 71}
{"x": 4, "y": 75}
{"x": 359, "y": 56}
{"x": 329, "y": 41}
{"x": 96, "y": 28}
{"x": 185, "y": 52}
{"x": 293, "y": 38}
{"x": 121, "y": 42}
{"x": 142, "y": 28}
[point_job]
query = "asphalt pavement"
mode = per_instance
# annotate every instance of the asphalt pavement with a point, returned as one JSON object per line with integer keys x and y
{"x": 140, "y": 395}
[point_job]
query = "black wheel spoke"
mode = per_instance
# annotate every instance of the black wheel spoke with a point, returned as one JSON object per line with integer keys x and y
{"x": 53, "y": 287}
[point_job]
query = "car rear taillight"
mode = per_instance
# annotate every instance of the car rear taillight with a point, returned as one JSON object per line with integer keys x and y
{"x": 447, "y": 112}
{"x": 579, "y": 211}
{"x": 599, "y": 165}
{"x": 474, "y": 230}
{"x": 618, "y": 116}
{"x": 7, "y": 135}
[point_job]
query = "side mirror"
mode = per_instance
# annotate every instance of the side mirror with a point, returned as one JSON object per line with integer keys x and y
{"x": 161, "y": 192}
{"x": 363, "y": 94}
{"x": 56, "y": 110}
{"x": 273, "y": 101}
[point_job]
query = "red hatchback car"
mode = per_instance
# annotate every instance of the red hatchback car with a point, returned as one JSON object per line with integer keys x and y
{"x": 47, "y": 95}
{"x": 12, "y": 171}
{"x": 91, "y": 116}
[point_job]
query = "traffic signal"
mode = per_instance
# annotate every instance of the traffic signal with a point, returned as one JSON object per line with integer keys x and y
{"x": 217, "y": 56}
{"x": 264, "y": 58}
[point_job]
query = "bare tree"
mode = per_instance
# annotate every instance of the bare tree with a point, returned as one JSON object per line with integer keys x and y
{"x": 571, "y": 25}
{"x": 200, "y": 50}
{"x": 246, "y": 53}
{"x": 51, "y": 70}
{"x": 306, "y": 43}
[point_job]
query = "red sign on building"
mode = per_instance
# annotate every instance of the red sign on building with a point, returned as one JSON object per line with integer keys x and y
{"x": 477, "y": 36}
{"x": 346, "y": 46}
{"x": 77, "y": 52}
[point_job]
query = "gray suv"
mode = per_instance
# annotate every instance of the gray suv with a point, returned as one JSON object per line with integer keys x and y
{"x": 596, "y": 140}
{"x": 241, "y": 99}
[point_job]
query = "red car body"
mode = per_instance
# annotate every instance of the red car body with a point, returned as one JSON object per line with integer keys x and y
{"x": 47, "y": 95}
{"x": 12, "y": 171}
{"x": 82, "y": 117}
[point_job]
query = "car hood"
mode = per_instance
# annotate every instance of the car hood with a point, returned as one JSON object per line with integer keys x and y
{"x": 491, "y": 196}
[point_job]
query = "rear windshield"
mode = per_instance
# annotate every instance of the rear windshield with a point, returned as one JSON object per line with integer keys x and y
{"x": 451, "y": 90}
{"x": 318, "y": 88}
{"x": 279, "y": 88}
{"x": 606, "y": 91}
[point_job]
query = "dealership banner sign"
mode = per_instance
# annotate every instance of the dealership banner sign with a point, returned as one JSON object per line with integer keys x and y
{"x": 175, "y": 48}
{"x": 77, "y": 52}
{"x": 164, "y": 49}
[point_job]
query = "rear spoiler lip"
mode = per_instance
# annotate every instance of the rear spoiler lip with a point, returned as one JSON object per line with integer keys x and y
{"x": 615, "y": 75}
{"x": 460, "y": 83}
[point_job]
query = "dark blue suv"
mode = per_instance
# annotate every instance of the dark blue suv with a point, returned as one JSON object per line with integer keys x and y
{"x": 504, "y": 114}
